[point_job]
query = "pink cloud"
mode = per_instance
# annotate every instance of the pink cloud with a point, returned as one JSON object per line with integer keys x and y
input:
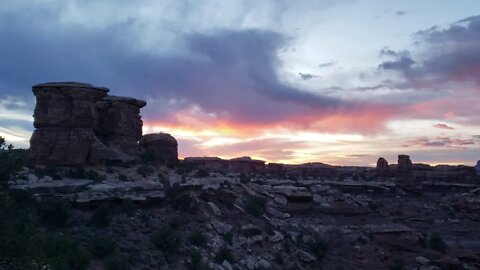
{"x": 443, "y": 126}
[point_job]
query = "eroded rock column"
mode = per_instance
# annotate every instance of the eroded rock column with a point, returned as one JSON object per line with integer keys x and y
{"x": 64, "y": 119}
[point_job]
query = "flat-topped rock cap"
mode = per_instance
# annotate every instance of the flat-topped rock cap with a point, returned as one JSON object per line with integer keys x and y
{"x": 66, "y": 85}
{"x": 138, "y": 102}
{"x": 158, "y": 137}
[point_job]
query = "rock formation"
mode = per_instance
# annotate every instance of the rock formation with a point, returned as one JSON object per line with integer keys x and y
{"x": 383, "y": 169}
{"x": 160, "y": 147}
{"x": 404, "y": 163}
{"x": 382, "y": 164}
{"x": 77, "y": 124}
{"x": 477, "y": 168}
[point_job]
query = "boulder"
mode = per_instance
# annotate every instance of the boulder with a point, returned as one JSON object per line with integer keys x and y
{"x": 161, "y": 147}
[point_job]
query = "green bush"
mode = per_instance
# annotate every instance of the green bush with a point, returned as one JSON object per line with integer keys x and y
{"x": 55, "y": 212}
{"x": 102, "y": 216}
{"x": 197, "y": 239}
{"x": 437, "y": 243}
{"x": 102, "y": 247}
{"x": 255, "y": 206}
{"x": 224, "y": 254}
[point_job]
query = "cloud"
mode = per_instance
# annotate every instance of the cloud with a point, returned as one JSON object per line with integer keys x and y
{"x": 450, "y": 55}
{"x": 443, "y": 126}
{"x": 307, "y": 76}
{"x": 328, "y": 64}
{"x": 440, "y": 142}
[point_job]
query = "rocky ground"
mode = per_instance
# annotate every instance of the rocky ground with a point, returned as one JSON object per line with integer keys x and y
{"x": 154, "y": 217}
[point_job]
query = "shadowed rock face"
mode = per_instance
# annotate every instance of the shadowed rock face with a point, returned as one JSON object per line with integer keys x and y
{"x": 78, "y": 124}
{"x": 160, "y": 147}
{"x": 404, "y": 163}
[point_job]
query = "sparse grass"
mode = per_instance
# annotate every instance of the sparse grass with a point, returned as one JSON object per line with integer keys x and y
{"x": 255, "y": 206}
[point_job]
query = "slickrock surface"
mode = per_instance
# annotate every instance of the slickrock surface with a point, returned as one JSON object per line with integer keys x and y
{"x": 267, "y": 221}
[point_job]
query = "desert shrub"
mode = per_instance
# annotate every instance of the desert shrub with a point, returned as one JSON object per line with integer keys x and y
{"x": 397, "y": 265}
{"x": 195, "y": 262}
{"x": 197, "y": 239}
{"x": 58, "y": 251}
{"x": 202, "y": 173}
{"x": 127, "y": 207}
{"x": 224, "y": 254}
{"x": 102, "y": 247}
{"x": 55, "y": 212}
{"x": 255, "y": 206}
{"x": 50, "y": 170}
{"x": 437, "y": 243}
{"x": 168, "y": 241}
{"x": 184, "y": 202}
{"x": 228, "y": 237}
{"x": 116, "y": 262}
{"x": 317, "y": 247}
{"x": 11, "y": 160}
{"x": 122, "y": 177}
{"x": 102, "y": 216}
{"x": 244, "y": 178}
{"x": 110, "y": 170}
{"x": 145, "y": 170}
{"x": 81, "y": 173}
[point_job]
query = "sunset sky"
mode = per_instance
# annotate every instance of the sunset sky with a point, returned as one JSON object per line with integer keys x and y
{"x": 335, "y": 81}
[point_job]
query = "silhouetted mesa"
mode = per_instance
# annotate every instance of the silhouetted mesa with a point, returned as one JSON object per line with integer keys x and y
{"x": 78, "y": 123}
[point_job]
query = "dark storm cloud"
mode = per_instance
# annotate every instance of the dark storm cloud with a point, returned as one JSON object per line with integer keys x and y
{"x": 448, "y": 55}
{"x": 231, "y": 73}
